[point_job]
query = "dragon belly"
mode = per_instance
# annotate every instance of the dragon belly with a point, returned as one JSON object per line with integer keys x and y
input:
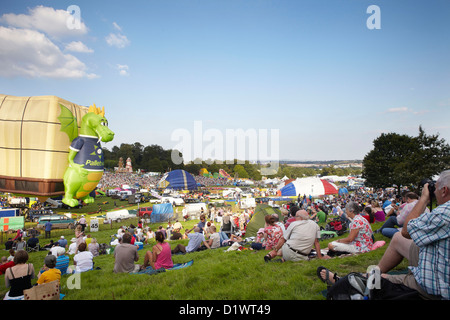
{"x": 90, "y": 183}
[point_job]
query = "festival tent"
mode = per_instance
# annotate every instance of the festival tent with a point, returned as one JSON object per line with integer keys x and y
{"x": 178, "y": 180}
{"x": 257, "y": 221}
{"x": 161, "y": 212}
{"x": 308, "y": 186}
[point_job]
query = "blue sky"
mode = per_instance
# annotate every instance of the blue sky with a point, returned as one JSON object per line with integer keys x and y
{"x": 310, "y": 69}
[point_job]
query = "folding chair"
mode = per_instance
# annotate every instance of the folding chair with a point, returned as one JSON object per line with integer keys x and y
{"x": 36, "y": 248}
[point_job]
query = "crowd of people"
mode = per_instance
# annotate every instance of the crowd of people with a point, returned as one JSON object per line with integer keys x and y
{"x": 117, "y": 179}
{"x": 417, "y": 233}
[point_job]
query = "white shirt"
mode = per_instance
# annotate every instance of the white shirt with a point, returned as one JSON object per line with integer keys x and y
{"x": 55, "y": 250}
{"x": 72, "y": 248}
{"x": 84, "y": 261}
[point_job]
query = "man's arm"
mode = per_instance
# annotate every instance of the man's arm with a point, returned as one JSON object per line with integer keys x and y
{"x": 418, "y": 209}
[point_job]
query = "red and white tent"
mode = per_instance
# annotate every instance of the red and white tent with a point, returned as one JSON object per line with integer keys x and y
{"x": 308, "y": 186}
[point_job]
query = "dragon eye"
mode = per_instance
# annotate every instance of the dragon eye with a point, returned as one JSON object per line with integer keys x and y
{"x": 104, "y": 123}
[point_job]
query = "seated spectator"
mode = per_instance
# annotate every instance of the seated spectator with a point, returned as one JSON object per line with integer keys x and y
{"x": 11, "y": 255}
{"x": 33, "y": 242}
{"x": 73, "y": 246}
{"x": 62, "y": 242}
{"x": 62, "y": 263}
{"x": 49, "y": 245}
{"x": 50, "y": 273}
{"x": 125, "y": 254}
{"x": 83, "y": 260}
{"x": 93, "y": 247}
{"x": 149, "y": 235}
{"x": 360, "y": 238}
{"x": 18, "y": 277}
{"x": 160, "y": 256}
{"x": 19, "y": 244}
{"x": 368, "y": 214}
{"x": 378, "y": 212}
{"x": 8, "y": 244}
{"x": 214, "y": 238}
{"x": 272, "y": 233}
{"x": 176, "y": 235}
{"x": 298, "y": 240}
{"x": 5, "y": 264}
{"x": 57, "y": 250}
{"x": 394, "y": 222}
{"x": 195, "y": 241}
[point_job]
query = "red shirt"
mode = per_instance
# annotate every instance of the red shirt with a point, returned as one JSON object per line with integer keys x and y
{"x": 5, "y": 266}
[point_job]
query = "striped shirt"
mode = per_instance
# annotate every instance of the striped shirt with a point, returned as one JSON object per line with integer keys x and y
{"x": 431, "y": 233}
{"x": 62, "y": 263}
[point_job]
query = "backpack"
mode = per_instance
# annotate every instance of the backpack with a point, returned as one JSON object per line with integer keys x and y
{"x": 336, "y": 225}
{"x": 102, "y": 248}
{"x": 354, "y": 286}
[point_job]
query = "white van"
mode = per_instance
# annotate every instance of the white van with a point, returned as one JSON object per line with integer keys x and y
{"x": 119, "y": 215}
{"x": 194, "y": 210}
{"x": 173, "y": 200}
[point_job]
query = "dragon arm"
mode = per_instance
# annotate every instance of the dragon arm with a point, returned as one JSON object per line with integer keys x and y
{"x": 77, "y": 167}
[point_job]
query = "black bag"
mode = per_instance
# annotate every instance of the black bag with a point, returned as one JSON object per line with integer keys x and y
{"x": 354, "y": 286}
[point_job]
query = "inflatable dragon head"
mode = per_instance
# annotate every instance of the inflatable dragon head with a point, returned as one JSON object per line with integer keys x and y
{"x": 94, "y": 123}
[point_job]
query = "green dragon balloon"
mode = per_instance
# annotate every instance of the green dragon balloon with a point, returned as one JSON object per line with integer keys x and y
{"x": 85, "y": 153}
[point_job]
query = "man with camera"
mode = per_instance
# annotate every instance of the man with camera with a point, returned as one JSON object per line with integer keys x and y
{"x": 425, "y": 242}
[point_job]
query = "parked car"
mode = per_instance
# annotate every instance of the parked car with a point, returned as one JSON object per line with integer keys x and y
{"x": 145, "y": 212}
{"x": 34, "y": 215}
{"x": 58, "y": 222}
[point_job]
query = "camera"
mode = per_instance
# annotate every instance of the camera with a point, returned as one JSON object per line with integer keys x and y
{"x": 431, "y": 185}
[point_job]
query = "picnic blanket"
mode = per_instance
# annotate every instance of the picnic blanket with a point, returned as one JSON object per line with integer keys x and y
{"x": 151, "y": 271}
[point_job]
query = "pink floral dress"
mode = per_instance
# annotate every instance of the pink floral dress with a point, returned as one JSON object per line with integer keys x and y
{"x": 274, "y": 234}
{"x": 363, "y": 241}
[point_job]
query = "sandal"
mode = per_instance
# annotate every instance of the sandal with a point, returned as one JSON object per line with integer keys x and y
{"x": 267, "y": 257}
{"x": 327, "y": 276}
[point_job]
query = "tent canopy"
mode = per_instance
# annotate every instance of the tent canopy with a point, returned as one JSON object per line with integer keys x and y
{"x": 178, "y": 180}
{"x": 308, "y": 186}
{"x": 161, "y": 212}
{"x": 257, "y": 221}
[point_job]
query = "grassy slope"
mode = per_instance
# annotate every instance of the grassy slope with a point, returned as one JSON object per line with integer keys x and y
{"x": 215, "y": 275}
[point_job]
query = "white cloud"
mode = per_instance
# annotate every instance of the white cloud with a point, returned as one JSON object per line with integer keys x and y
{"x": 123, "y": 69}
{"x": 401, "y": 109}
{"x": 406, "y": 110}
{"x": 46, "y": 19}
{"x": 78, "y": 46}
{"x": 116, "y": 26}
{"x": 31, "y": 53}
{"x": 117, "y": 40}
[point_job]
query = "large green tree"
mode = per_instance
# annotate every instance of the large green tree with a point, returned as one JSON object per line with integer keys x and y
{"x": 399, "y": 159}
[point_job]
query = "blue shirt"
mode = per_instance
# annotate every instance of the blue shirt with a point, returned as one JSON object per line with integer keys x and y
{"x": 62, "y": 263}
{"x": 195, "y": 241}
{"x": 48, "y": 226}
{"x": 90, "y": 153}
{"x": 431, "y": 233}
{"x": 62, "y": 243}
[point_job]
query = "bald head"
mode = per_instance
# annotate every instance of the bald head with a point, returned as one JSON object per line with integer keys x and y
{"x": 301, "y": 215}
